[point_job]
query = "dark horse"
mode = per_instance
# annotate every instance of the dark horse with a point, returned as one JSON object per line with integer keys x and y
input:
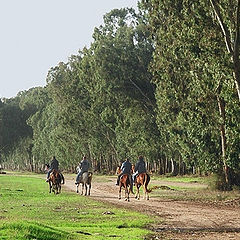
{"x": 86, "y": 181}
{"x": 125, "y": 183}
{"x": 55, "y": 180}
{"x": 142, "y": 179}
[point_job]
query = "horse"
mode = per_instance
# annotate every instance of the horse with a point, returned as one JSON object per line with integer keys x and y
{"x": 142, "y": 179}
{"x": 125, "y": 183}
{"x": 86, "y": 181}
{"x": 55, "y": 182}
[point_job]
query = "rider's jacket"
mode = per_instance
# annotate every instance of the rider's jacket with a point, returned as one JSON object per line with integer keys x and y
{"x": 54, "y": 164}
{"x": 84, "y": 165}
{"x": 126, "y": 167}
{"x": 140, "y": 167}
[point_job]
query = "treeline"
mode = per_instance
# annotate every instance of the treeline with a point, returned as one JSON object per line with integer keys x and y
{"x": 162, "y": 83}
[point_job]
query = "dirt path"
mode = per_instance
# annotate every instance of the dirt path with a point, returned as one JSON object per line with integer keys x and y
{"x": 179, "y": 219}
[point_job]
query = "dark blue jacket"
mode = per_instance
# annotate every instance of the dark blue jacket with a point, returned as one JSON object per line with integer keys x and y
{"x": 140, "y": 166}
{"x": 54, "y": 164}
{"x": 126, "y": 167}
{"x": 84, "y": 165}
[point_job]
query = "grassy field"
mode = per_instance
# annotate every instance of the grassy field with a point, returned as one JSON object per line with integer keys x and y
{"x": 28, "y": 211}
{"x": 191, "y": 188}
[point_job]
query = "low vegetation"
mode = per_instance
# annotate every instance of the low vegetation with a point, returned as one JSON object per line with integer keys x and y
{"x": 28, "y": 211}
{"x": 191, "y": 188}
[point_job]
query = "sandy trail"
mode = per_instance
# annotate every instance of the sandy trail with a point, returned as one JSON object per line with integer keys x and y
{"x": 180, "y": 219}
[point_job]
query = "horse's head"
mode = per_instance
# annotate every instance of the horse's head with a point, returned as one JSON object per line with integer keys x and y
{"x": 118, "y": 170}
{"x": 133, "y": 168}
{"x": 46, "y": 167}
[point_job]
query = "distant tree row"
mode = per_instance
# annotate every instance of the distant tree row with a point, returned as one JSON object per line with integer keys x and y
{"x": 160, "y": 83}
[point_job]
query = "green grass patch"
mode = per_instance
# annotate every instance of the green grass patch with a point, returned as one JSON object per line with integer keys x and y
{"x": 183, "y": 179}
{"x": 28, "y": 211}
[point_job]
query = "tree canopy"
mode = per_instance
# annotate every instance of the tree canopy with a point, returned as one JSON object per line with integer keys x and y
{"x": 160, "y": 82}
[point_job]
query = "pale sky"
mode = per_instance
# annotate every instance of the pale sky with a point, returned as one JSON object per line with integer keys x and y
{"x": 36, "y": 35}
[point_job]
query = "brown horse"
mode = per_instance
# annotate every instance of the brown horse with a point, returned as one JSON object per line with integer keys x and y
{"x": 125, "y": 183}
{"x": 142, "y": 179}
{"x": 55, "y": 182}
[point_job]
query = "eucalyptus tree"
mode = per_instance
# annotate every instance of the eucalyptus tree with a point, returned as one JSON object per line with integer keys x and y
{"x": 123, "y": 50}
{"x": 15, "y": 133}
{"x": 193, "y": 80}
{"x": 227, "y": 14}
{"x": 98, "y": 88}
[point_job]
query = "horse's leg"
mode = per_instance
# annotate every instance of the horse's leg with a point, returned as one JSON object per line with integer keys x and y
{"x": 145, "y": 184}
{"x": 50, "y": 187}
{"x": 138, "y": 192}
{"x": 127, "y": 192}
{"x": 145, "y": 192}
{"x": 147, "y": 196}
{"x": 82, "y": 188}
{"x": 120, "y": 187}
{"x": 85, "y": 185}
{"x": 77, "y": 188}
{"x": 89, "y": 188}
{"x": 57, "y": 188}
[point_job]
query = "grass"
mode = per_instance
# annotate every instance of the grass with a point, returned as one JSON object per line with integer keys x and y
{"x": 190, "y": 188}
{"x": 28, "y": 211}
{"x": 185, "y": 179}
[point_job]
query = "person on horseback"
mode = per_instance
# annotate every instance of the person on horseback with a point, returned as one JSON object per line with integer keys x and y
{"x": 54, "y": 166}
{"x": 83, "y": 167}
{"x": 126, "y": 168}
{"x": 140, "y": 167}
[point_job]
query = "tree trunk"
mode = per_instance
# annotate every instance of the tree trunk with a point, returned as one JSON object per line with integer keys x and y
{"x": 166, "y": 166}
{"x": 232, "y": 45}
{"x": 172, "y": 167}
{"x": 236, "y": 52}
{"x": 221, "y": 107}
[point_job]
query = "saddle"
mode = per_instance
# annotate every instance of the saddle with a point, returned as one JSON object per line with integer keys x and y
{"x": 125, "y": 174}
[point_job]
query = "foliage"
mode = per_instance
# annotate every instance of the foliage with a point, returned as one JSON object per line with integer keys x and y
{"x": 191, "y": 71}
{"x": 157, "y": 82}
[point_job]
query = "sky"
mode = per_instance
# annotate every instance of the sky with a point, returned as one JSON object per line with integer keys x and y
{"x": 36, "y": 35}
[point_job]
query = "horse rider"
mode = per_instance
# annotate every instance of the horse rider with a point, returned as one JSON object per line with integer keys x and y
{"x": 54, "y": 166}
{"x": 83, "y": 167}
{"x": 126, "y": 168}
{"x": 140, "y": 167}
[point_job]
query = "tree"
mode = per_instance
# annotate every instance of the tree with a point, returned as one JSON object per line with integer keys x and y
{"x": 227, "y": 14}
{"x": 192, "y": 75}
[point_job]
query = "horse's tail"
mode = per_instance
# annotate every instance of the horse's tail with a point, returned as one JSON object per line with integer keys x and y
{"x": 146, "y": 181}
{"x": 89, "y": 179}
{"x": 90, "y": 175}
{"x": 62, "y": 177}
